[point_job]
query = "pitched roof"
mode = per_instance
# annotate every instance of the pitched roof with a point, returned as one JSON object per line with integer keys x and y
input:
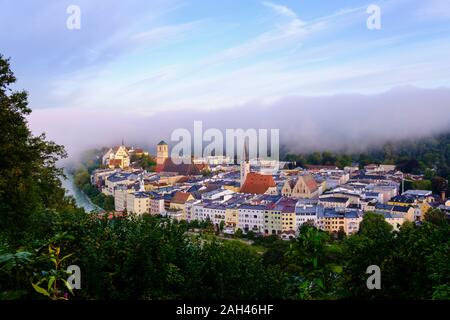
{"x": 320, "y": 167}
{"x": 311, "y": 184}
{"x": 334, "y": 199}
{"x": 116, "y": 148}
{"x": 202, "y": 166}
{"x": 257, "y": 183}
{"x": 184, "y": 169}
{"x": 162, "y": 143}
{"x": 115, "y": 162}
{"x": 180, "y": 197}
{"x": 292, "y": 183}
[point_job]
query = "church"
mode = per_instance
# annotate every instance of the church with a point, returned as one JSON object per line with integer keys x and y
{"x": 164, "y": 163}
{"x": 252, "y": 182}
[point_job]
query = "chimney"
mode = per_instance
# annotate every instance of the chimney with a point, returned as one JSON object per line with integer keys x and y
{"x": 443, "y": 196}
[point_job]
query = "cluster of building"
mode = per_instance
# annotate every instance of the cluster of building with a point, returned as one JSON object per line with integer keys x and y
{"x": 250, "y": 197}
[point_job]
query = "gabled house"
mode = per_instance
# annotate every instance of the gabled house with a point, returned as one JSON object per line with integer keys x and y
{"x": 117, "y": 157}
{"x": 303, "y": 186}
{"x": 178, "y": 203}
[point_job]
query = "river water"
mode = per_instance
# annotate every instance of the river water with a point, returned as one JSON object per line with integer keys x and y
{"x": 82, "y": 200}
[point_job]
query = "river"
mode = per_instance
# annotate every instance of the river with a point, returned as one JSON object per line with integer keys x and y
{"x": 82, "y": 200}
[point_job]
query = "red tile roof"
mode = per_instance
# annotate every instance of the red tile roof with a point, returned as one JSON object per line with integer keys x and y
{"x": 115, "y": 162}
{"x": 256, "y": 183}
{"x": 311, "y": 184}
{"x": 180, "y": 197}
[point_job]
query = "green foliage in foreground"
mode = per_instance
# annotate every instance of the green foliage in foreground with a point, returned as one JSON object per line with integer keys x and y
{"x": 152, "y": 258}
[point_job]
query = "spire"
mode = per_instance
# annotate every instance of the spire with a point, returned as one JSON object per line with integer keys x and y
{"x": 245, "y": 165}
{"x": 122, "y": 142}
{"x": 246, "y": 157}
{"x": 141, "y": 182}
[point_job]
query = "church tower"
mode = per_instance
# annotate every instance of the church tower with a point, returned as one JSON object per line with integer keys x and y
{"x": 162, "y": 152}
{"x": 245, "y": 164}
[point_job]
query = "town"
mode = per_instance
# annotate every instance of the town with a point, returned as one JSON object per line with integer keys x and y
{"x": 261, "y": 196}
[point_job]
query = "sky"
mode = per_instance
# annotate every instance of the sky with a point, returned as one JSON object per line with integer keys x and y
{"x": 137, "y": 60}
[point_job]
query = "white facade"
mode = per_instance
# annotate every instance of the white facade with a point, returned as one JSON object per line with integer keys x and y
{"x": 217, "y": 194}
{"x": 197, "y": 212}
{"x": 251, "y": 218}
{"x": 120, "y": 197}
{"x": 216, "y": 213}
{"x": 306, "y": 214}
{"x": 157, "y": 206}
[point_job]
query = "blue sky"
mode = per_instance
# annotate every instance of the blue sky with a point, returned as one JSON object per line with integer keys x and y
{"x": 146, "y": 56}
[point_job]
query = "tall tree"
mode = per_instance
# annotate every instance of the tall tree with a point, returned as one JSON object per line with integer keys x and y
{"x": 29, "y": 177}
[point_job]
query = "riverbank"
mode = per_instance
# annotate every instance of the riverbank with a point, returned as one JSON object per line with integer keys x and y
{"x": 81, "y": 198}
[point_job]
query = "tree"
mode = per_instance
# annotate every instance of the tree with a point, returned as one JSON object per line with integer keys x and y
{"x": 81, "y": 177}
{"x": 439, "y": 184}
{"x": 29, "y": 177}
{"x": 239, "y": 233}
{"x": 436, "y": 217}
{"x": 251, "y": 235}
{"x": 309, "y": 260}
{"x": 371, "y": 246}
{"x": 374, "y": 226}
{"x": 419, "y": 266}
{"x": 146, "y": 162}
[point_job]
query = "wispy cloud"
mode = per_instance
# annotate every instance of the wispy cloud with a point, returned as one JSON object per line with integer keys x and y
{"x": 165, "y": 33}
{"x": 143, "y": 59}
{"x": 280, "y": 9}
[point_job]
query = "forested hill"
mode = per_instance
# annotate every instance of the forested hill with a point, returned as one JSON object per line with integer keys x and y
{"x": 428, "y": 156}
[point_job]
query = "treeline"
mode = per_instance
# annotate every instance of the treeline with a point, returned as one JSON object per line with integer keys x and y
{"x": 427, "y": 156}
{"x": 153, "y": 258}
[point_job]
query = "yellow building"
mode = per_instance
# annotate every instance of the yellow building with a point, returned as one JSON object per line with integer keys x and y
{"x": 334, "y": 221}
{"x": 178, "y": 203}
{"x": 406, "y": 200}
{"x": 288, "y": 219}
{"x": 331, "y": 223}
{"x": 231, "y": 216}
{"x": 272, "y": 222}
{"x": 406, "y": 211}
{"x": 138, "y": 203}
{"x": 117, "y": 157}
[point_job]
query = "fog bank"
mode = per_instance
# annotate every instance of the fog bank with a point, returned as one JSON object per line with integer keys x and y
{"x": 349, "y": 122}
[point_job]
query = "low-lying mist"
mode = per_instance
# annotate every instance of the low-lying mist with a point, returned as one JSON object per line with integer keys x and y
{"x": 345, "y": 122}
